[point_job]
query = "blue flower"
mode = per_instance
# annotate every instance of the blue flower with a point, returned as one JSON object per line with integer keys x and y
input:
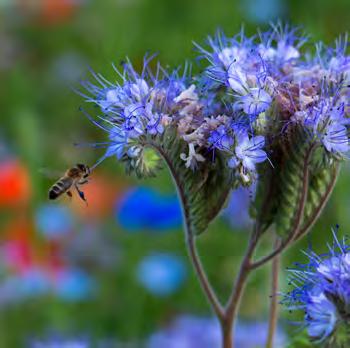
{"x": 321, "y": 290}
{"x": 73, "y": 285}
{"x": 321, "y": 315}
{"x": 256, "y": 101}
{"x": 328, "y": 122}
{"x": 237, "y": 211}
{"x": 159, "y": 213}
{"x": 53, "y": 221}
{"x": 248, "y": 152}
{"x": 139, "y": 105}
{"x": 58, "y": 341}
{"x": 221, "y": 139}
{"x": 161, "y": 274}
{"x": 251, "y": 89}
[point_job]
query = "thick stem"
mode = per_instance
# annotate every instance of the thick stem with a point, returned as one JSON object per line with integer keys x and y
{"x": 237, "y": 292}
{"x": 273, "y": 305}
{"x": 227, "y": 335}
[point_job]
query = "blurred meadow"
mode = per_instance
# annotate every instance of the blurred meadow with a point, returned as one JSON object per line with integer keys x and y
{"x": 115, "y": 273}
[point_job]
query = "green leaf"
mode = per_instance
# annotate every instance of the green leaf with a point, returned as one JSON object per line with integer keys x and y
{"x": 204, "y": 191}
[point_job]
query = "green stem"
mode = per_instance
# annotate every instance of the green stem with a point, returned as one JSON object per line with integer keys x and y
{"x": 190, "y": 241}
{"x": 273, "y": 317}
{"x": 237, "y": 292}
{"x": 202, "y": 276}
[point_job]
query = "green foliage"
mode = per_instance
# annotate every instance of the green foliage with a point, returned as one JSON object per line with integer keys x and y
{"x": 341, "y": 337}
{"x": 301, "y": 341}
{"x": 203, "y": 192}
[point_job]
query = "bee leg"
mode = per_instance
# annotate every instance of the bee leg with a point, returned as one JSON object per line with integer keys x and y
{"x": 81, "y": 194}
{"x": 84, "y": 181}
{"x": 69, "y": 194}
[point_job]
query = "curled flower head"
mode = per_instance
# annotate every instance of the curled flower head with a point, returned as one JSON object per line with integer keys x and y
{"x": 321, "y": 290}
{"x": 253, "y": 91}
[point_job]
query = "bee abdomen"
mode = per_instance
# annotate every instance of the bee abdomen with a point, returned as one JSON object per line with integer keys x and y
{"x": 59, "y": 188}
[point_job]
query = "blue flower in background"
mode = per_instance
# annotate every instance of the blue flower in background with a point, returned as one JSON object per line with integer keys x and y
{"x": 237, "y": 211}
{"x": 146, "y": 209}
{"x": 161, "y": 274}
{"x": 56, "y": 341}
{"x": 74, "y": 285}
{"x": 54, "y": 220}
{"x": 32, "y": 283}
{"x": 263, "y": 11}
{"x": 195, "y": 332}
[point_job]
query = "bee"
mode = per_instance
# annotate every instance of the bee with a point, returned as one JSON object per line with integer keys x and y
{"x": 74, "y": 177}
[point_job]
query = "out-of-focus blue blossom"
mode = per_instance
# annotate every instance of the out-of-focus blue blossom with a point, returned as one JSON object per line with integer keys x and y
{"x": 54, "y": 220}
{"x": 263, "y": 11}
{"x": 322, "y": 290}
{"x": 161, "y": 274}
{"x": 32, "y": 283}
{"x": 69, "y": 284}
{"x": 74, "y": 285}
{"x": 194, "y": 332}
{"x": 57, "y": 341}
{"x": 146, "y": 209}
{"x": 237, "y": 211}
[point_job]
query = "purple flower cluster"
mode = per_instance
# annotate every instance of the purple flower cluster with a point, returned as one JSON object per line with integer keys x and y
{"x": 252, "y": 90}
{"x": 322, "y": 290}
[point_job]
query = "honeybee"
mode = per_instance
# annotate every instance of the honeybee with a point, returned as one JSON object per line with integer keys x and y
{"x": 74, "y": 177}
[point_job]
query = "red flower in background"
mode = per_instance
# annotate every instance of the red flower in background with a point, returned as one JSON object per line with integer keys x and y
{"x": 50, "y": 11}
{"x": 14, "y": 183}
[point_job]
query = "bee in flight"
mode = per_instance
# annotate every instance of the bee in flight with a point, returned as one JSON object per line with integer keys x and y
{"x": 73, "y": 178}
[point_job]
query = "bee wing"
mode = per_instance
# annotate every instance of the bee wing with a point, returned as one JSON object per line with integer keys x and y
{"x": 49, "y": 173}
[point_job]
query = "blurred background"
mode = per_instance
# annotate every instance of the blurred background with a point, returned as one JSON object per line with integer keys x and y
{"x": 115, "y": 273}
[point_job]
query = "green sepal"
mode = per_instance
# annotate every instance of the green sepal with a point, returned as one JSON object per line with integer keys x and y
{"x": 298, "y": 149}
{"x": 203, "y": 191}
{"x": 303, "y": 173}
{"x": 320, "y": 188}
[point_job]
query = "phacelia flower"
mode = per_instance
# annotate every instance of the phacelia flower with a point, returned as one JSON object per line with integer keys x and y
{"x": 248, "y": 152}
{"x": 321, "y": 290}
{"x": 251, "y": 91}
